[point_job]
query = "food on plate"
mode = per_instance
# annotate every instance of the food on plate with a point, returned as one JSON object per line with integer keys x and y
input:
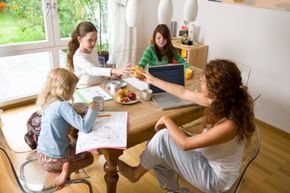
{"x": 125, "y": 100}
{"x": 132, "y": 96}
{"x": 124, "y": 95}
{"x": 137, "y": 72}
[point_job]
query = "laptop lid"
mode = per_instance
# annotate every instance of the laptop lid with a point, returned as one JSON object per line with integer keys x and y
{"x": 173, "y": 73}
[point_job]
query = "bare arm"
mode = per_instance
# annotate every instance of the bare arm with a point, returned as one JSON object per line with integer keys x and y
{"x": 221, "y": 133}
{"x": 122, "y": 71}
{"x": 179, "y": 91}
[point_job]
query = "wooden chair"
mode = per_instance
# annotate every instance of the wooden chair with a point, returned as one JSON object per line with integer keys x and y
{"x": 24, "y": 170}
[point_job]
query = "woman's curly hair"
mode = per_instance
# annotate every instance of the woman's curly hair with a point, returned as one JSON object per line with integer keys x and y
{"x": 230, "y": 97}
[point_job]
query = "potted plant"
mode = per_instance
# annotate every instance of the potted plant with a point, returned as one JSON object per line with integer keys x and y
{"x": 96, "y": 12}
{"x": 102, "y": 47}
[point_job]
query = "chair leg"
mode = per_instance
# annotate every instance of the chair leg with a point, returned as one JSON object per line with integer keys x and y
{"x": 239, "y": 186}
{"x": 78, "y": 181}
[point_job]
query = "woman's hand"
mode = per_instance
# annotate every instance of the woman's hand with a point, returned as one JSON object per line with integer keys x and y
{"x": 160, "y": 124}
{"x": 148, "y": 77}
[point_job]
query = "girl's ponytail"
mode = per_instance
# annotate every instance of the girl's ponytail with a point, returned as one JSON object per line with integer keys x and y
{"x": 73, "y": 45}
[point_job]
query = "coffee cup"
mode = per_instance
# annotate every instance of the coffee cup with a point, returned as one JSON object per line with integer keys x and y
{"x": 99, "y": 103}
{"x": 146, "y": 94}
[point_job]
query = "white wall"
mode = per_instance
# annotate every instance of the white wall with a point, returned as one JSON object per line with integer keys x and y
{"x": 259, "y": 38}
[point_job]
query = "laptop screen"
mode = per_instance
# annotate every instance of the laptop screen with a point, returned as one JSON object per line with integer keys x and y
{"x": 173, "y": 73}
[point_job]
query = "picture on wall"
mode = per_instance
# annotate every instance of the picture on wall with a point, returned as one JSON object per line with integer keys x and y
{"x": 269, "y": 4}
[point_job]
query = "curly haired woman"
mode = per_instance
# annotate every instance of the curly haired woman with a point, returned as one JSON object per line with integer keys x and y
{"x": 209, "y": 160}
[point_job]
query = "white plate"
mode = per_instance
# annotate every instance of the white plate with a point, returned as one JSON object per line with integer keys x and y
{"x": 119, "y": 83}
{"x": 130, "y": 102}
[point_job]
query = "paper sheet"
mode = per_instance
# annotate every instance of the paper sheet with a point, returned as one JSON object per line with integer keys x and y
{"x": 140, "y": 85}
{"x": 108, "y": 132}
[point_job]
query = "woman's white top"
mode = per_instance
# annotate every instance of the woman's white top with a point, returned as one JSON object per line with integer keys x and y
{"x": 87, "y": 67}
{"x": 225, "y": 159}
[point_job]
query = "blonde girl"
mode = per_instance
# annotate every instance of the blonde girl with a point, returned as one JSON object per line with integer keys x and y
{"x": 56, "y": 153}
{"x": 83, "y": 59}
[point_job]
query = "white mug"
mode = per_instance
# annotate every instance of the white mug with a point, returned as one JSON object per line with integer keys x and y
{"x": 147, "y": 94}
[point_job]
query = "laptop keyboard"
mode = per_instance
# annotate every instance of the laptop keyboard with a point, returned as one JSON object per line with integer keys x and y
{"x": 168, "y": 101}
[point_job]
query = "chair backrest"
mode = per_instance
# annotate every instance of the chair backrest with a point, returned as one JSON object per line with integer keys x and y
{"x": 245, "y": 73}
{"x": 122, "y": 57}
{"x": 28, "y": 173}
{"x": 251, "y": 150}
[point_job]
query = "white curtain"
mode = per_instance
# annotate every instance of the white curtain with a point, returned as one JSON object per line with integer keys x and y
{"x": 122, "y": 39}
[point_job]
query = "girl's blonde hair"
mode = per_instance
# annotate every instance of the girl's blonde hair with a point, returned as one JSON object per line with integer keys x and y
{"x": 60, "y": 85}
{"x": 81, "y": 30}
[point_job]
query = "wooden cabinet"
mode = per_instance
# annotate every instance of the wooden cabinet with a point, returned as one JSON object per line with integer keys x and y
{"x": 196, "y": 55}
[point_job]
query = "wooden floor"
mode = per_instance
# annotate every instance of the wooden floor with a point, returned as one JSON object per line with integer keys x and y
{"x": 269, "y": 173}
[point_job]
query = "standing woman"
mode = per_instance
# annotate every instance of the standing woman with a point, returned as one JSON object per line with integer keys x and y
{"x": 83, "y": 59}
{"x": 209, "y": 160}
{"x": 161, "y": 51}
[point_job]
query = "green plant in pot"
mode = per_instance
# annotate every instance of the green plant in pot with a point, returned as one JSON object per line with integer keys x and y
{"x": 103, "y": 45}
{"x": 102, "y": 49}
{"x": 97, "y": 13}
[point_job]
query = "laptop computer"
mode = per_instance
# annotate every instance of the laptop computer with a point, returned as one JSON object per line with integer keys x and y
{"x": 173, "y": 73}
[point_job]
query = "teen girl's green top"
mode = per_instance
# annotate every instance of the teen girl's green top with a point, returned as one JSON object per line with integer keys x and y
{"x": 150, "y": 58}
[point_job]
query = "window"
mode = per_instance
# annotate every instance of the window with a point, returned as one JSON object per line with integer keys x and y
{"x": 33, "y": 39}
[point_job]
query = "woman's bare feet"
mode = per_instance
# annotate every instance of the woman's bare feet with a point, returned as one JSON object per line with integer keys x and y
{"x": 63, "y": 176}
{"x": 133, "y": 174}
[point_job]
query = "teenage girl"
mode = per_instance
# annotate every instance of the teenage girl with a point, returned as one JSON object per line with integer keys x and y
{"x": 161, "y": 50}
{"x": 83, "y": 59}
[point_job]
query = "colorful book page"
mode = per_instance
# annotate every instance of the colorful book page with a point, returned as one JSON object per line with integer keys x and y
{"x": 87, "y": 94}
{"x": 108, "y": 132}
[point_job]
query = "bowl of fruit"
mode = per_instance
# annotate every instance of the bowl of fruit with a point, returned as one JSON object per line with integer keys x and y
{"x": 126, "y": 97}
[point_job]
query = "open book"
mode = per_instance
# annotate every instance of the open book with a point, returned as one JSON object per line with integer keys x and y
{"x": 86, "y": 95}
{"x": 108, "y": 132}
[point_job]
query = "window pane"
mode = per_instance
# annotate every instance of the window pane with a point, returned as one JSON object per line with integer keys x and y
{"x": 22, "y": 75}
{"x": 21, "y": 21}
{"x": 62, "y": 58}
{"x": 71, "y": 12}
